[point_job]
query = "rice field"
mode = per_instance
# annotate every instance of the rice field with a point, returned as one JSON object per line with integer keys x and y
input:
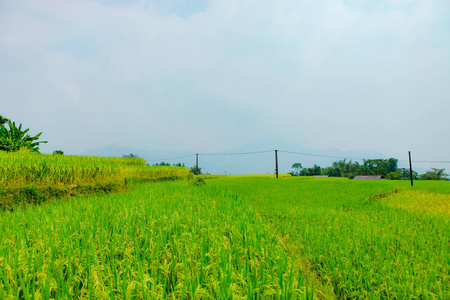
{"x": 19, "y": 168}
{"x": 362, "y": 239}
{"x": 35, "y": 178}
{"x": 237, "y": 237}
{"x": 167, "y": 240}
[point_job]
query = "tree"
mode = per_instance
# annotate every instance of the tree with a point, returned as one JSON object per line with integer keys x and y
{"x": 382, "y": 166}
{"x": 316, "y": 170}
{"x": 342, "y": 168}
{"x": 434, "y": 174}
{"x": 58, "y": 152}
{"x": 14, "y": 138}
{"x": 297, "y": 168}
{"x": 162, "y": 164}
{"x": 405, "y": 174}
{"x": 131, "y": 155}
{"x": 196, "y": 170}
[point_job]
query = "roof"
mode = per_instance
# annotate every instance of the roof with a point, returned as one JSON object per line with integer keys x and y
{"x": 371, "y": 177}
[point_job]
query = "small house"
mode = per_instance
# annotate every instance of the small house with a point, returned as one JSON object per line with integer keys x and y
{"x": 369, "y": 177}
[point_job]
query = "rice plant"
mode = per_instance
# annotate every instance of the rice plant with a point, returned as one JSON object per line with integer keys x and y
{"x": 24, "y": 168}
{"x": 396, "y": 246}
{"x": 160, "y": 241}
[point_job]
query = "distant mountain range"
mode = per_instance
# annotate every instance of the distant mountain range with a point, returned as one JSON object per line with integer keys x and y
{"x": 254, "y": 158}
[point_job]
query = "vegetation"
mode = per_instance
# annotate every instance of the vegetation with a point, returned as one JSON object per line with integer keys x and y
{"x": 387, "y": 168}
{"x": 239, "y": 237}
{"x": 360, "y": 239}
{"x": 31, "y": 177}
{"x": 13, "y": 138}
{"x": 196, "y": 170}
{"x": 434, "y": 174}
{"x": 161, "y": 241}
{"x": 3, "y": 120}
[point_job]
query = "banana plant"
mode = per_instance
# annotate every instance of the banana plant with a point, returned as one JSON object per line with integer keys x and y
{"x": 14, "y": 138}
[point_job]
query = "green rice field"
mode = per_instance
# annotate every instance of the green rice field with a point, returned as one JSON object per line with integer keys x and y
{"x": 237, "y": 237}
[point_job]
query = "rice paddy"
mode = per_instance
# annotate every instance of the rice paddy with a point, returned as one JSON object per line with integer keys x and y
{"x": 18, "y": 168}
{"x": 36, "y": 178}
{"x": 237, "y": 237}
{"x": 164, "y": 240}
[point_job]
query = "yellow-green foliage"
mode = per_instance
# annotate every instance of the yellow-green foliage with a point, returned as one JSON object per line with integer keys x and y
{"x": 19, "y": 168}
{"x": 420, "y": 201}
{"x": 34, "y": 178}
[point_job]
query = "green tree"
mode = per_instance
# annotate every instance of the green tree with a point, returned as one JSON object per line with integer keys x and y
{"x": 394, "y": 176}
{"x": 316, "y": 170}
{"x": 131, "y": 155}
{"x": 297, "y": 168}
{"x": 434, "y": 174}
{"x": 58, "y": 152}
{"x": 162, "y": 164}
{"x": 405, "y": 174}
{"x": 196, "y": 171}
{"x": 14, "y": 138}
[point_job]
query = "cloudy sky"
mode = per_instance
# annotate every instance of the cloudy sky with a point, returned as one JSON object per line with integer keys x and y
{"x": 210, "y": 75}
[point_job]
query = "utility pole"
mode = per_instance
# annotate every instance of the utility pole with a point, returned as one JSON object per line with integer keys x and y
{"x": 276, "y": 162}
{"x": 196, "y": 161}
{"x": 410, "y": 168}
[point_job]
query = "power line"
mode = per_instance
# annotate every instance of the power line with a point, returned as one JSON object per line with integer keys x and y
{"x": 241, "y": 153}
{"x": 244, "y": 164}
{"x": 432, "y": 161}
{"x": 358, "y": 158}
{"x": 290, "y": 152}
{"x": 319, "y": 155}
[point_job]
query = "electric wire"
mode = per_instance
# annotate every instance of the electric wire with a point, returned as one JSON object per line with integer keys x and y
{"x": 320, "y": 155}
{"x": 244, "y": 164}
{"x": 358, "y": 158}
{"x": 290, "y": 152}
{"x": 240, "y": 153}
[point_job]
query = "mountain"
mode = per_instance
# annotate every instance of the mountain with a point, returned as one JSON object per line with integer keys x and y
{"x": 254, "y": 158}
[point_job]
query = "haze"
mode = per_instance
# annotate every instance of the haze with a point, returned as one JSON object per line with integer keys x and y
{"x": 215, "y": 75}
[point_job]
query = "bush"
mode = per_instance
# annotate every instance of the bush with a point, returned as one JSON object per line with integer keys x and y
{"x": 393, "y": 176}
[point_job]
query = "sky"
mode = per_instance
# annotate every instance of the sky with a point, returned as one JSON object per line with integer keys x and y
{"x": 212, "y": 75}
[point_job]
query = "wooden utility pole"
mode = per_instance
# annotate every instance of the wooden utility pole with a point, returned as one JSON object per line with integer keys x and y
{"x": 410, "y": 168}
{"x": 196, "y": 161}
{"x": 276, "y": 162}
